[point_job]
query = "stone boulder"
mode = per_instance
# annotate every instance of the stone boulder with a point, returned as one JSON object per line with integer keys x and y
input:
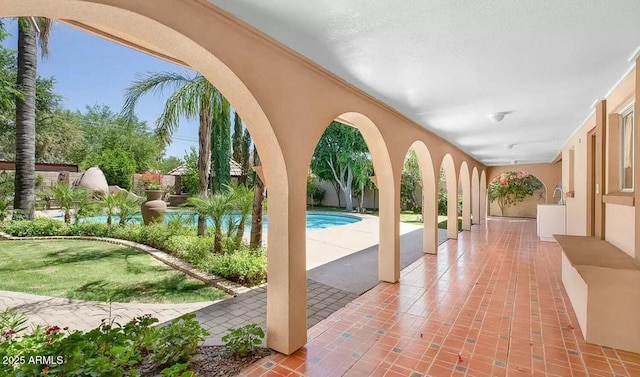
{"x": 94, "y": 180}
{"x": 116, "y": 189}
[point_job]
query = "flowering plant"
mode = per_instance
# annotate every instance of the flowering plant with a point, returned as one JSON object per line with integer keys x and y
{"x": 151, "y": 180}
{"x": 510, "y": 188}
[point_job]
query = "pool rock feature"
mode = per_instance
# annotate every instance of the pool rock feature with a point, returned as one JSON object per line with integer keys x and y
{"x": 154, "y": 209}
{"x": 94, "y": 180}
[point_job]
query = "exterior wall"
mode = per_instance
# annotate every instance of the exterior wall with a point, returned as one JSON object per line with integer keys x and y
{"x": 619, "y": 220}
{"x": 371, "y": 197}
{"x": 527, "y": 208}
{"x": 549, "y": 174}
{"x": 51, "y": 177}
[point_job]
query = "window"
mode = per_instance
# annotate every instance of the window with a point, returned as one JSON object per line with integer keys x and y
{"x": 626, "y": 150}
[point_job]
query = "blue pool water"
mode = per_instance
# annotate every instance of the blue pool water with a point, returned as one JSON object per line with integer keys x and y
{"x": 314, "y": 220}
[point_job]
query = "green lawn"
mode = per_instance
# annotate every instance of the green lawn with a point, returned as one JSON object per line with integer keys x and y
{"x": 97, "y": 271}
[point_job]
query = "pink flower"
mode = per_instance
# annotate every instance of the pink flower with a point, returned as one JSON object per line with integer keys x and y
{"x": 8, "y": 333}
{"x": 52, "y": 330}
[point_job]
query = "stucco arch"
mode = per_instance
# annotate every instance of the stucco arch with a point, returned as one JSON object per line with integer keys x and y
{"x": 475, "y": 196}
{"x": 389, "y": 192}
{"x": 428, "y": 182}
{"x": 452, "y": 195}
{"x": 283, "y": 335}
{"x": 465, "y": 183}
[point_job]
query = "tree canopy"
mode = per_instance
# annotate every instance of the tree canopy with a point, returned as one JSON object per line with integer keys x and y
{"x": 336, "y": 157}
{"x": 510, "y": 188}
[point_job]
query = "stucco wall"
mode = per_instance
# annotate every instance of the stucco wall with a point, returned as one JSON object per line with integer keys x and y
{"x": 527, "y": 208}
{"x": 619, "y": 220}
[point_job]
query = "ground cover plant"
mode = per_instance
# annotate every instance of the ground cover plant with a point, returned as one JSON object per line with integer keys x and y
{"x": 96, "y": 271}
{"x": 234, "y": 262}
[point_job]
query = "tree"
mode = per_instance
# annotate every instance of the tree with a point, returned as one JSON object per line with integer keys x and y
{"x": 510, "y": 188}
{"x": 105, "y": 130}
{"x": 118, "y": 167}
{"x": 221, "y": 146}
{"x": 409, "y": 182}
{"x": 28, "y": 38}
{"x": 190, "y": 179}
{"x": 246, "y": 157}
{"x": 256, "y": 211}
{"x": 216, "y": 206}
{"x": 335, "y": 155}
{"x": 242, "y": 198}
{"x": 236, "y": 142}
{"x": 167, "y": 164}
{"x": 68, "y": 197}
{"x": 7, "y": 190}
{"x": 193, "y": 98}
{"x": 362, "y": 171}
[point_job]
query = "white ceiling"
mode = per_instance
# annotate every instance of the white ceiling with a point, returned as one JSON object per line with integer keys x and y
{"x": 448, "y": 64}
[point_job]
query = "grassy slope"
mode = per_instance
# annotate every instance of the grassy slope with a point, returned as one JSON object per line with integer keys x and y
{"x": 91, "y": 270}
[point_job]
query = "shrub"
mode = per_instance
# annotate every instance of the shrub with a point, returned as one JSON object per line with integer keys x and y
{"x": 116, "y": 164}
{"x": 245, "y": 266}
{"x": 35, "y": 228}
{"x": 108, "y": 350}
{"x": 242, "y": 340}
{"x": 192, "y": 248}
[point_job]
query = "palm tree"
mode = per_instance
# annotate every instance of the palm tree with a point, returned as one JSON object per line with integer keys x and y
{"x": 242, "y": 202}
{"x": 215, "y": 206}
{"x": 110, "y": 204}
{"x": 127, "y": 205}
{"x": 25, "y": 156}
{"x": 193, "y": 97}
{"x": 68, "y": 198}
{"x": 256, "y": 212}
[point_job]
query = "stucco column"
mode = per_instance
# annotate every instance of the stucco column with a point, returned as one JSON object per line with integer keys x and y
{"x": 389, "y": 215}
{"x": 430, "y": 220}
{"x": 287, "y": 275}
{"x": 466, "y": 205}
{"x": 475, "y": 198}
{"x": 483, "y": 197}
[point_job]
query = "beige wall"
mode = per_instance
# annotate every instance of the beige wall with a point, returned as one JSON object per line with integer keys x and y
{"x": 619, "y": 219}
{"x": 527, "y": 208}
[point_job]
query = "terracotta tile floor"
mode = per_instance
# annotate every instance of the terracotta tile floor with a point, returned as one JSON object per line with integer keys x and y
{"x": 489, "y": 304}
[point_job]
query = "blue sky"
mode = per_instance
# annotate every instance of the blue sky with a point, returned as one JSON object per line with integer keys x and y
{"x": 92, "y": 71}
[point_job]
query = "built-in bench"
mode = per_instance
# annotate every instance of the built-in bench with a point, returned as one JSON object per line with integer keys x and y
{"x": 603, "y": 284}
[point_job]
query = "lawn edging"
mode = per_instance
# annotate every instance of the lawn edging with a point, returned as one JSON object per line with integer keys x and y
{"x": 215, "y": 281}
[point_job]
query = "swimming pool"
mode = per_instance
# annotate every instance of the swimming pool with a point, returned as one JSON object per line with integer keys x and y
{"x": 315, "y": 220}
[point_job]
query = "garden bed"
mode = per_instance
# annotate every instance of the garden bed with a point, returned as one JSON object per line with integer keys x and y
{"x": 239, "y": 264}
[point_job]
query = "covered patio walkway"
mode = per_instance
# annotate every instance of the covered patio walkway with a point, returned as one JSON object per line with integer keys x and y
{"x": 491, "y": 303}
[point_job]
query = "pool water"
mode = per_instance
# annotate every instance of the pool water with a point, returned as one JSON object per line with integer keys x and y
{"x": 314, "y": 220}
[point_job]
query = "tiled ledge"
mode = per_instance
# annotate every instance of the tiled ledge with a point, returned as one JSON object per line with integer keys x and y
{"x": 187, "y": 268}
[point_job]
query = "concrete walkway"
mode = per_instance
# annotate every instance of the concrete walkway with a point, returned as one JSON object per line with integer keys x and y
{"x": 86, "y": 315}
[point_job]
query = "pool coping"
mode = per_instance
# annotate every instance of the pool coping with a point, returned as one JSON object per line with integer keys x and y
{"x": 187, "y": 268}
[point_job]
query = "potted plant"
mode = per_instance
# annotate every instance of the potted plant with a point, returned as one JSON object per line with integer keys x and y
{"x": 154, "y": 208}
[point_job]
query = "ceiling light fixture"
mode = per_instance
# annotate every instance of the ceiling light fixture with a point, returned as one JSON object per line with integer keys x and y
{"x": 509, "y": 146}
{"x": 498, "y": 117}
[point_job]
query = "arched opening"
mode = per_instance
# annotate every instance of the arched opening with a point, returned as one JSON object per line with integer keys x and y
{"x": 516, "y": 194}
{"x": 419, "y": 195}
{"x": 286, "y": 305}
{"x": 449, "y": 185}
{"x": 475, "y": 197}
{"x": 352, "y": 164}
{"x": 465, "y": 186}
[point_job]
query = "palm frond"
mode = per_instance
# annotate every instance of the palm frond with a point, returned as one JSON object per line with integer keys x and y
{"x": 45, "y": 25}
{"x": 154, "y": 83}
